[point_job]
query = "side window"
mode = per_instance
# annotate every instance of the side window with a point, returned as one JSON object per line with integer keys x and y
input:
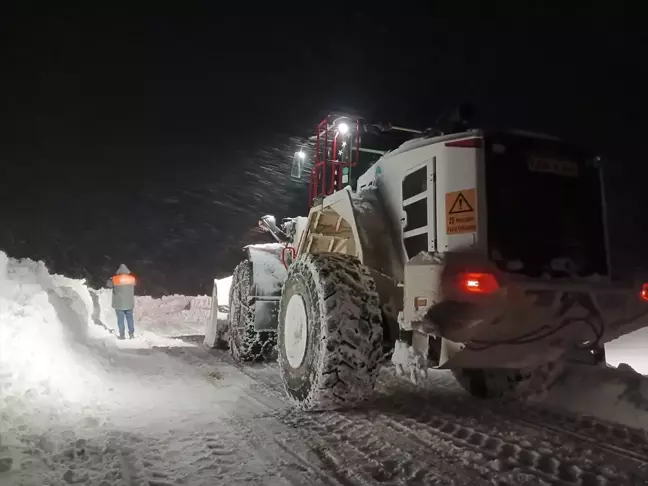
{"x": 416, "y": 244}
{"x": 415, "y": 183}
{"x": 415, "y": 207}
{"x": 417, "y": 215}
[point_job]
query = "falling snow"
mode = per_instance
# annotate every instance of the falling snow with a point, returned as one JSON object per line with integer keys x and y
{"x": 80, "y": 407}
{"x": 177, "y": 231}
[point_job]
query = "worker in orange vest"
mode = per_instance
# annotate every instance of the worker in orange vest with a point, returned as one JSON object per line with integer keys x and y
{"x": 123, "y": 299}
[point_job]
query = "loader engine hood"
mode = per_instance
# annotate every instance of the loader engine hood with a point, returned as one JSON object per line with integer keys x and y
{"x": 545, "y": 207}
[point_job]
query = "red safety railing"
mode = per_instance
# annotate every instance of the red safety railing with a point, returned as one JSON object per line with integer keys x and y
{"x": 327, "y": 172}
{"x": 288, "y": 249}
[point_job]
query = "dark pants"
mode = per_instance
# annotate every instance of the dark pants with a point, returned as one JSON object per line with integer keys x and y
{"x": 128, "y": 314}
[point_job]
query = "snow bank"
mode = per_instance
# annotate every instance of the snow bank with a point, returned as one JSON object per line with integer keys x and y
{"x": 174, "y": 315}
{"x": 171, "y": 316}
{"x": 631, "y": 349}
{"x": 67, "y": 383}
{"x": 617, "y": 395}
{"x": 44, "y": 328}
{"x": 48, "y": 368}
{"x": 52, "y": 354}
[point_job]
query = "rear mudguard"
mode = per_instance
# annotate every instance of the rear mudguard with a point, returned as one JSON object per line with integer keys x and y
{"x": 534, "y": 323}
{"x": 268, "y": 277}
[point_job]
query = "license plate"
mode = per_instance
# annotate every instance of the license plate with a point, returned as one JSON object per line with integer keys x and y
{"x": 548, "y": 165}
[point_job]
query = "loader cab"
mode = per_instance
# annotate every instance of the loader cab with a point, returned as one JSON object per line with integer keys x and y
{"x": 342, "y": 149}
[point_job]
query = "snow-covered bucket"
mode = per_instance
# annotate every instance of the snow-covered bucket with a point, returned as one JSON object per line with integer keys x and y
{"x": 216, "y": 329}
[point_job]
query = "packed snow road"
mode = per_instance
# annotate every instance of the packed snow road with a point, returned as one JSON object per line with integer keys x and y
{"x": 79, "y": 407}
{"x": 433, "y": 434}
{"x": 212, "y": 422}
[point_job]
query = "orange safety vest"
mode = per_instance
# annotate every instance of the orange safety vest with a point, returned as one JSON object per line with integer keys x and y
{"x": 123, "y": 279}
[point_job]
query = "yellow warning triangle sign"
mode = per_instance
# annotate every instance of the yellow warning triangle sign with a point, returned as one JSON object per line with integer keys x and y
{"x": 460, "y": 205}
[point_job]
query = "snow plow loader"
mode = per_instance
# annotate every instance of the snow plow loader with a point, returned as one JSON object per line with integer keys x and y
{"x": 480, "y": 251}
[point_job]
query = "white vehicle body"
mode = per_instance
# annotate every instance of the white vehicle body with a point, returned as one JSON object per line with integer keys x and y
{"x": 486, "y": 250}
{"x": 449, "y": 169}
{"x": 268, "y": 275}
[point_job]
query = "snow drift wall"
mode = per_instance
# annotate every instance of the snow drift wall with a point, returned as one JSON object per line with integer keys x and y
{"x": 44, "y": 324}
{"x": 63, "y": 377}
{"x": 169, "y": 316}
{"x": 618, "y": 395}
{"x": 631, "y": 349}
{"x": 46, "y": 367}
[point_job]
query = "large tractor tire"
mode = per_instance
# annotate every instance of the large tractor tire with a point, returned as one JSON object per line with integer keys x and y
{"x": 509, "y": 383}
{"x": 330, "y": 332}
{"x": 245, "y": 343}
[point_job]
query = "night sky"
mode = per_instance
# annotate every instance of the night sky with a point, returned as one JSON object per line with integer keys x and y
{"x": 158, "y": 141}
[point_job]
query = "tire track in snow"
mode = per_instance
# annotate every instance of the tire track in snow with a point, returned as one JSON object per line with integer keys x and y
{"x": 368, "y": 451}
{"x": 394, "y": 440}
{"x": 553, "y": 455}
{"x": 555, "y": 461}
{"x": 618, "y": 442}
{"x": 346, "y": 456}
{"x": 378, "y": 454}
{"x": 282, "y": 451}
{"x": 392, "y": 446}
{"x": 355, "y": 453}
{"x": 562, "y": 431}
{"x": 269, "y": 442}
{"x": 218, "y": 455}
{"x": 358, "y": 458}
{"x": 506, "y": 453}
{"x": 281, "y": 448}
{"x": 109, "y": 457}
{"x": 619, "y": 439}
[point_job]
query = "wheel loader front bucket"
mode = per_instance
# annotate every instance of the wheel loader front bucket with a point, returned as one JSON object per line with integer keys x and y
{"x": 216, "y": 328}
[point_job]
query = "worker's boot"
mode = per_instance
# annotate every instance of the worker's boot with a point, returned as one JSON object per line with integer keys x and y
{"x": 121, "y": 337}
{"x": 131, "y": 335}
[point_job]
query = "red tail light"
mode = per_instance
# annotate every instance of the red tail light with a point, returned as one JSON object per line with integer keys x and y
{"x": 479, "y": 283}
{"x": 644, "y": 292}
{"x": 467, "y": 143}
